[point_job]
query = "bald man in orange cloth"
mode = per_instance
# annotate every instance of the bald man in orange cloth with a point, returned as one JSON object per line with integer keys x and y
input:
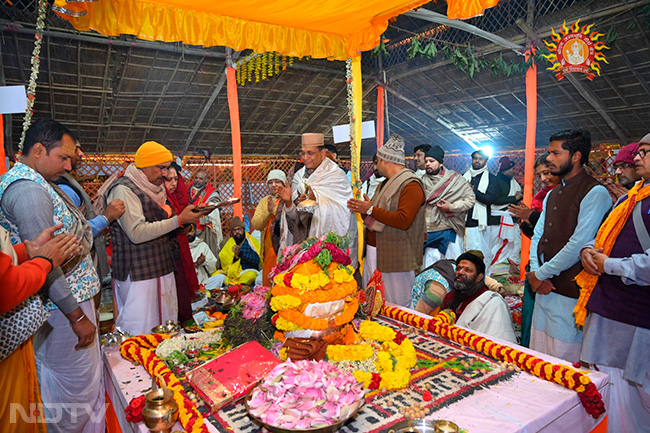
{"x": 143, "y": 269}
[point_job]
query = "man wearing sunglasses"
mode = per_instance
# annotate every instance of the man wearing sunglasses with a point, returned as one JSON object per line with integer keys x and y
{"x": 615, "y": 300}
{"x": 143, "y": 267}
{"x": 625, "y": 172}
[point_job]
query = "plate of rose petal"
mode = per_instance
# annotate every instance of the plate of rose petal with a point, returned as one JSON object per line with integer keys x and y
{"x": 305, "y": 396}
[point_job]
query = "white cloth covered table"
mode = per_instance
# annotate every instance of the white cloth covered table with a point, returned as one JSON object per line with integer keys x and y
{"x": 523, "y": 404}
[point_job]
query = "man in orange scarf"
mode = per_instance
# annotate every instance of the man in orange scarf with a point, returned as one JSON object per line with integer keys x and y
{"x": 264, "y": 218}
{"x": 614, "y": 289}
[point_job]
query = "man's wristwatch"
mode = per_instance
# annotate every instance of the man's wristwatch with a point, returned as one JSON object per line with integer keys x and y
{"x": 369, "y": 211}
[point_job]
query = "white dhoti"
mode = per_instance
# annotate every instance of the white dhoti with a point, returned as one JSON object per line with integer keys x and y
{"x": 398, "y": 286}
{"x": 142, "y": 305}
{"x": 629, "y": 403}
{"x": 70, "y": 380}
{"x": 507, "y": 243}
{"x": 455, "y": 249}
{"x": 482, "y": 240}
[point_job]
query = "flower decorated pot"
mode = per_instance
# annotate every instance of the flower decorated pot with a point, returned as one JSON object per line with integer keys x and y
{"x": 160, "y": 410}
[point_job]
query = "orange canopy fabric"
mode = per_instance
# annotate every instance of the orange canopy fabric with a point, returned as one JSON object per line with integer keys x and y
{"x": 334, "y": 29}
{"x": 463, "y": 9}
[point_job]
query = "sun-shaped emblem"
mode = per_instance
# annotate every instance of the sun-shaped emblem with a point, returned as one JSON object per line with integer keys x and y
{"x": 576, "y": 49}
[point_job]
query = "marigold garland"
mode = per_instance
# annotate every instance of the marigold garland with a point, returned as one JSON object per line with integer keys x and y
{"x": 442, "y": 325}
{"x": 298, "y": 320}
{"x": 142, "y": 349}
{"x": 331, "y": 292}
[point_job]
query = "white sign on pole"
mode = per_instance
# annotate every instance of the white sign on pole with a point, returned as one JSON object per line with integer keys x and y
{"x": 13, "y": 99}
{"x": 342, "y": 132}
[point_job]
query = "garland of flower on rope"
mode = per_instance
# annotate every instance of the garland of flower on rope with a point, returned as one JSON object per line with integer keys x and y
{"x": 142, "y": 349}
{"x": 263, "y": 65}
{"x": 442, "y": 325}
{"x": 36, "y": 63}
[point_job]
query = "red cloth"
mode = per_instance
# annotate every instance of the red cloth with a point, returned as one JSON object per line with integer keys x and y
{"x": 187, "y": 283}
{"x": 18, "y": 283}
{"x": 450, "y": 297}
{"x": 200, "y": 199}
{"x": 538, "y": 199}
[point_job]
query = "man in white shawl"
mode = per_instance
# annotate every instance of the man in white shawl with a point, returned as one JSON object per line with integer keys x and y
{"x": 507, "y": 245}
{"x": 316, "y": 202}
{"x": 143, "y": 269}
{"x": 482, "y": 228}
{"x": 448, "y": 198}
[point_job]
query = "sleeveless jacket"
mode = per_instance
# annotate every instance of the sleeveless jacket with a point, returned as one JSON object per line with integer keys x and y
{"x": 151, "y": 259}
{"x": 400, "y": 250}
{"x": 562, "y": 210}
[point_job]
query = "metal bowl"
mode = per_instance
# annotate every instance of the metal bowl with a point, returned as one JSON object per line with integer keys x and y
{"x": 326, "y": 429}
{"x": 169, "y": 327}
{"x": 424, "y": 426}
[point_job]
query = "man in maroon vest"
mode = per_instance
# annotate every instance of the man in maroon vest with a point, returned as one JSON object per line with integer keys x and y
{"x": 571, "y": 216}
{"x": 143, "y": 267}
{"x": 617, "y": 330}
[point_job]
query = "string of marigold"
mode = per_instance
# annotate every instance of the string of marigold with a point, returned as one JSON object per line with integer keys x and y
{"x": 298, "y": 320}
{"x": 326, "y": 294}
{"x": 442, "y": 325}
{"x": 142, "y": 349}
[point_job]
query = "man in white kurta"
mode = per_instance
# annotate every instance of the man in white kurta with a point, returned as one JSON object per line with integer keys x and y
{"x": 205, "y": 261}
{"x": 477, "y": 308}
{"x": 325, "y": 183}
{"x": 143, "y": 269}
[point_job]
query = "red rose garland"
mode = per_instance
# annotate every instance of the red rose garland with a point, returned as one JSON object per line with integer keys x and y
{"x": 142, "y": 349}
{"x": 442, "y": 325}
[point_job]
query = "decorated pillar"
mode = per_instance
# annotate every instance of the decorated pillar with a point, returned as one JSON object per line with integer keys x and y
{"x": 233, "y": 106}
{"x": 529, "y": 162}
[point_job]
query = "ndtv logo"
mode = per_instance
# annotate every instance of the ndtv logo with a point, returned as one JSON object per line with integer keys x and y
{"x": 53, "y": 412}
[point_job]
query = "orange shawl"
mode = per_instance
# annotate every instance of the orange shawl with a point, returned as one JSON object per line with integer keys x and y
{"x": 605, "y": 239}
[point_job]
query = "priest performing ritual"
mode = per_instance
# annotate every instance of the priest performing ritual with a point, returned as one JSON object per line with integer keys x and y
{"x": 316, "y": 202}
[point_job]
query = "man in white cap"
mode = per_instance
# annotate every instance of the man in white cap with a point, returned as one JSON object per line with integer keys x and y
{"x": 322, "y": 181}
{"x": 143, "y": 268}
{"x": 395, "y": 224}
{"x": 263, "y": 220}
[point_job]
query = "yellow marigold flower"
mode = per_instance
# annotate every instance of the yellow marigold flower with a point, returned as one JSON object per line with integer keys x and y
{"x": 358, "y": 352}
{"x": 374, "y": 331}
{"x": 363, "y": 376}
{"x": 284, "y": 325}
{"x": 285, "y": 302}
{"x": 283, "y": 354}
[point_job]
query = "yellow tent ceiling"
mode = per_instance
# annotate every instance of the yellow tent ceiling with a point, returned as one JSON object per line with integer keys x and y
{"x": 335, "y": 29}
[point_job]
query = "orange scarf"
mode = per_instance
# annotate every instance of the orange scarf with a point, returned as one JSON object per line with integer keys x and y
{"x": 605, "y": 239}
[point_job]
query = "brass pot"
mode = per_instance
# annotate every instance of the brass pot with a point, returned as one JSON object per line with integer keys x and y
{"x": 160, "y": 410}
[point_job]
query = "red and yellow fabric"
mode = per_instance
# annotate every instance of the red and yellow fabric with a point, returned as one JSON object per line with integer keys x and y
{"x": 335, "y": 29}
{"x": 605, "y": 239}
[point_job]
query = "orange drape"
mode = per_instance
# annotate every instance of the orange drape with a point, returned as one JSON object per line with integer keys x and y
{"x": 233, "y": 105}
{"x": 380, "y": 116}
{"x": 529, "y": 163}
{"x": 3, "y": 167}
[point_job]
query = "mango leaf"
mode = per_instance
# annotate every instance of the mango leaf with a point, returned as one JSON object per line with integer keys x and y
{"x": 414, "y": 49}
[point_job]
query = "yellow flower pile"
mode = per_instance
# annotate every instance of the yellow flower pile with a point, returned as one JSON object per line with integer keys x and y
{"x": 376, "y": 359}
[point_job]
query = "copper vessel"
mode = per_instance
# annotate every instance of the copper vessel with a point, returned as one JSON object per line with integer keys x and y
{"x": 160, "y": 410}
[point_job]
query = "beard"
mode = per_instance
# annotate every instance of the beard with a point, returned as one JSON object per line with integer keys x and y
{"x": 239, "y": 238}
{"x": 433, "y": 172}
{"x": 191, "y": 238}
{"x": 463, "y": 285}
{"x": 563, "y": 170}
{"x": 199, "y": 185}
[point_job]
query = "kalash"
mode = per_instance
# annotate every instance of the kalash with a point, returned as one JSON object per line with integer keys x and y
{"x": 314, "y": 295}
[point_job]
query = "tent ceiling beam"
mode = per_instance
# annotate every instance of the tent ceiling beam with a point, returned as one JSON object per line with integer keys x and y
{"x": 586, "y": 93}
{"x": 102, "y": 104}
{"x": 230, "y": 58}
{"x": 434, "y": 17}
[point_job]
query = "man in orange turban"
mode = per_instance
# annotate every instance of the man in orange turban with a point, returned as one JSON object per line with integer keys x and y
{"x": 143, "y": 269}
